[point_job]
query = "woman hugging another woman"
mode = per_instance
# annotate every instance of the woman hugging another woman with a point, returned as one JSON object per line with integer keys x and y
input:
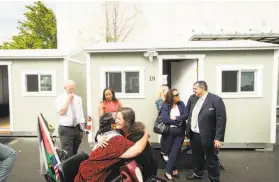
{"x": 103, "y": 163}
{"x": 134, "y": 131}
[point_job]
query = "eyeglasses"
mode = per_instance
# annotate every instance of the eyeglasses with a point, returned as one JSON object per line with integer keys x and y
{"x": 176, "y": 95}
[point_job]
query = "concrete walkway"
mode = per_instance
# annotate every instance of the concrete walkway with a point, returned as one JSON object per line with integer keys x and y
{"x": 240, "y": 165}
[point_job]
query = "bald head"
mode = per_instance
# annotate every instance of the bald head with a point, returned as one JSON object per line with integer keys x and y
{"x": 69, "y": 82}
{"x": 70, "y": 86}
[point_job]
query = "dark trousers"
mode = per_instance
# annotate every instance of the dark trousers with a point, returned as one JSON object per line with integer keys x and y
{"x": 175, "y": 140}
{"x": 202, "y": 154}
{"x": 70, "y": 138}
{"x": 150, "y": 169}
{"x": 165, "y": 148}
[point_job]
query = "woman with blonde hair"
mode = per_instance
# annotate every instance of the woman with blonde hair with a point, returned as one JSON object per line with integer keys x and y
{"x": 159, "y": 102}
{"x": 161, "y": 96}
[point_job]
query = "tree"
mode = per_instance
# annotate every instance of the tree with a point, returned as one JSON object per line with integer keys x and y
{"x": 119, "y": 24}
{"x": 38, "y": 31}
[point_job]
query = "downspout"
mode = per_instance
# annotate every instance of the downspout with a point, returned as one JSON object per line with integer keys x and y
{"x": 89, "y": 97}
{"x": 274, "y": 98}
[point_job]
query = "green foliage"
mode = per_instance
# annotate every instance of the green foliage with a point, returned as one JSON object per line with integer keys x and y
{"x": 38, "y": 31}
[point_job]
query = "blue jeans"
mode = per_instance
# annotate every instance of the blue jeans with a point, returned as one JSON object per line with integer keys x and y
{"x": 7, "y": 158}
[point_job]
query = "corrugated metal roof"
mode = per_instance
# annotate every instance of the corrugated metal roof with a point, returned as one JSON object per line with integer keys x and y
{"x": 261, "y": 37}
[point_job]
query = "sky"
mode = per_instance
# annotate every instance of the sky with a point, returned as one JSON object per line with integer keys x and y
{"x": 11, "y": 12}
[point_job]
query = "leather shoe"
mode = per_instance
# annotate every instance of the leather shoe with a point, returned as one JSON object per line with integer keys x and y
{"x": 194, "y": 177}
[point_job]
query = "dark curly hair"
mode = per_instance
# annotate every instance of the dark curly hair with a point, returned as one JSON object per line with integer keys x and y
{"x": 106, "y": 120}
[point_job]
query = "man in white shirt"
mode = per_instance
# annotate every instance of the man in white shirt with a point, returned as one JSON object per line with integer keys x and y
{"x": 71, "y": 119}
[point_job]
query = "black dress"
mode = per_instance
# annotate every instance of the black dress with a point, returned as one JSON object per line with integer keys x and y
{"x": 145, "y": 159}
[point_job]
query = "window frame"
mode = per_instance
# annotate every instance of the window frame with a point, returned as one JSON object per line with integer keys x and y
{"x": 258, "y": 69}
{"x": 39, "y": 93}
{"x": 123, "y": 69}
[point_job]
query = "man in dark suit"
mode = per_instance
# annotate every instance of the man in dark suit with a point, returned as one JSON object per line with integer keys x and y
{"x": 206, "y": 129}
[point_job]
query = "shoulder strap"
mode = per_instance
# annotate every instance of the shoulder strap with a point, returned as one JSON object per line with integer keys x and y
{"x": 159, "y": 113}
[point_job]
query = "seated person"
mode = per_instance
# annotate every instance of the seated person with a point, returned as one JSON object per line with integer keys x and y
{"x": 96, "y": 168}
{"x": 134, "y": 131}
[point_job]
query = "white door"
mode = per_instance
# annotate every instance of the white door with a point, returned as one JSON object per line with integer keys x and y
{"x": 183, "y": 76}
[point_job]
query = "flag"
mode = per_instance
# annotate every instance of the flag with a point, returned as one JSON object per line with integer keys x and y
{"x": 49, "y": 160}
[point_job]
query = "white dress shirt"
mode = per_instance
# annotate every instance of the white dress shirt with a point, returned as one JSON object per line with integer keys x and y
{"x": 195, "y": 114}
{"x": 74, "y": 114}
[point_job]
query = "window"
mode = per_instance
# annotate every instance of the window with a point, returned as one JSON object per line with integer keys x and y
{"x": 247, "y": 83}
{"x": 239, "y": 81}
{"x": 126, "y": 82}
{"x": 231, "y": 80}
{"x": 32, "y": 83}
{"x": 114, "y": 81}
{"x": 38, "y": 83}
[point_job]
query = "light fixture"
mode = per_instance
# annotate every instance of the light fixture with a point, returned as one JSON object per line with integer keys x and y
{"x": 150, "y": 54}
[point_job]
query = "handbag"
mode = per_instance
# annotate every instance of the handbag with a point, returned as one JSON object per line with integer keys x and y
{"x": 159, "y": 126}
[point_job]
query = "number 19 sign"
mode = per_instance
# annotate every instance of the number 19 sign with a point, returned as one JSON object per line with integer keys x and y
{"x": 152, "y": 78}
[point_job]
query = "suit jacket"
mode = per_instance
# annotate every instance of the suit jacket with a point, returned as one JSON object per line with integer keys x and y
{"x": 211, "y": 120}
{"x": 191, "y": 103}
{"x": 180, "y": 120}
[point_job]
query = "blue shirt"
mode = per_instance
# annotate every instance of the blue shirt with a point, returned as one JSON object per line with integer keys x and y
{"x": 159, "y": 103}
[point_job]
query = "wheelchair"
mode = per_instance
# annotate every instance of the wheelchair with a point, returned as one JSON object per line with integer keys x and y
{"x": 129, "y": 172}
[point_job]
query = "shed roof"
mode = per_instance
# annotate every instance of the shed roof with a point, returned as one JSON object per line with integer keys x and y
{"x": 31, "y": 54}
{"x": 183, "y": 46}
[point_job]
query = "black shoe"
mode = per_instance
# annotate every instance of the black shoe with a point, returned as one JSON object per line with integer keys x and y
{"x": 176, "y": 175}
{"x": 189, "y": 152}
{"x": 168, "y": 179}
{"x": 194, "y": 177}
